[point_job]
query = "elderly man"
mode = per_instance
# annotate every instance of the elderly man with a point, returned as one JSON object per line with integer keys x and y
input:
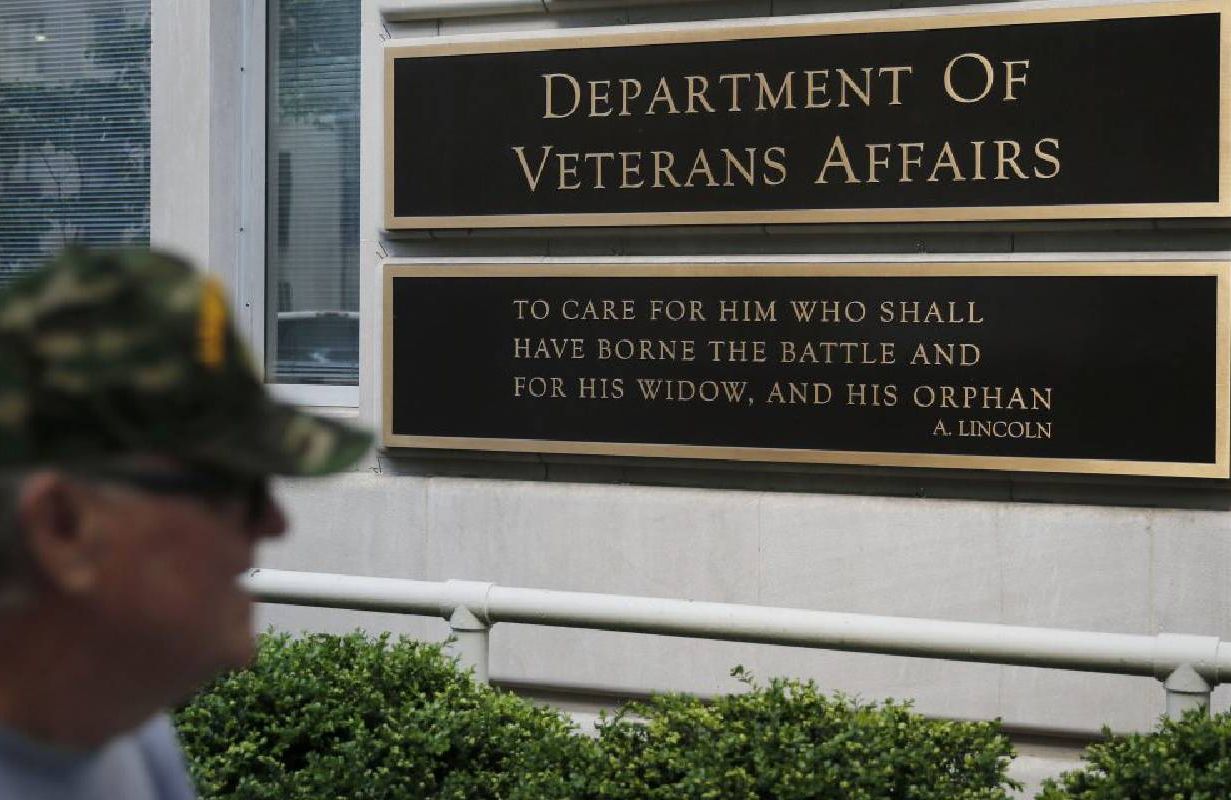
{"x": 136, "y": 442}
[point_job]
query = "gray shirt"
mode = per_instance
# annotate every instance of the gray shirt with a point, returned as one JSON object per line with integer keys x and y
{"x": 144, "y": 764}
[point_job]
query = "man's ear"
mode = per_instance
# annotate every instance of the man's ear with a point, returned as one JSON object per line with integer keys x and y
{"x": 63, "y": 548}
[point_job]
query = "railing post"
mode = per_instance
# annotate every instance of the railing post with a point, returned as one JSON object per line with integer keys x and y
{"x": 465, "y": 607}
{"x": 470, "y": 636}
{"x": 1186, "y": 690}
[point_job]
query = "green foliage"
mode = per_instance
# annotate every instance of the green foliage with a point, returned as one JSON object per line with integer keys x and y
{"x": 1187, "y": 759}
{"x": 789, "y": 741}
{"x": 351, "y": 717}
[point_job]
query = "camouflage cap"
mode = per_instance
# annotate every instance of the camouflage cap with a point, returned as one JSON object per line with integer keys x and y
{"x": 123, "y": 351}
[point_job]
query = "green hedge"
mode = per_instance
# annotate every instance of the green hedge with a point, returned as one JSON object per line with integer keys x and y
{"x": 1188, "y": 759}
{"x": 788, "y": 741}
{"x": 350, "y": 717}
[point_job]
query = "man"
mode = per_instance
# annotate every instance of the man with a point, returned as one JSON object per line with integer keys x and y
{"x": 136, "y": 442}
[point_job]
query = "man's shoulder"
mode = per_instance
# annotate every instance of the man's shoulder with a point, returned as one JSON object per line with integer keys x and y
{"x": 144, "y": 764}
{"x": 160, "y": 749}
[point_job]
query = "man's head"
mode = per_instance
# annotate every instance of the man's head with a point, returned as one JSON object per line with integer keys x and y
{"x": 135, "y": 443}
{"x": 140, "y": 560}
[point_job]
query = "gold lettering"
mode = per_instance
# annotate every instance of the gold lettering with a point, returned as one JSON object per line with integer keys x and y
{"x": 895, "y": 75}
{"x": 907, "y": 160}
{"x": 627, "y": 84}
{"x": 864, "y": 94}
{"x": 596, "y": 98}
{"x": 677, "y": 310}
{"x": 872, "y": 394}
{"x": 568, "y": 168}
{"x": 733, "y": 162}
{"x": 662, "y": 94}
{"x": 812, "y": 393}
{"x": 815, "y": 89}
{"x": 697, "y": 94}
{"x": 597, "y": 160}
{"x": 547, "y": 94}
{"x": 777, "y": 166}
{"x": 1052, "y": 158}
{"x": 1011, "y": 77}
{"x": 600, "y": 388}
{"x": 664, "y": 169}
{"x": 874, "y": 162}
{"x": 532, "y": 180}
{"x": 630, "y": 167}
{"x": 946, "y": 160}
{"x": 837, "y": 158}
{"x": 646, "y": 349}
{"x": 784, "y": 90}
{"x": 1012, "y": 398}
{"x": 701, "y": 166}
{"x": 988, "y": 74}
{"x": 734, "y": 78}
{"x": 1010, "y": 160}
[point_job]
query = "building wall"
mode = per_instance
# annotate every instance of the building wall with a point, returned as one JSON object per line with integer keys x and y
{"x": 1125, "y": 555}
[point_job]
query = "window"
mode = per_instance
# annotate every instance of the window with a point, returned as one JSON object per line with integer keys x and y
{"x": 74, "y": 127}
{"x": 312, "y": 192}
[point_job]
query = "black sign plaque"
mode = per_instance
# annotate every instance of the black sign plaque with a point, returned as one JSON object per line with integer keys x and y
{"x": 1114, "y": 368}
{"x": 1068, "y": 112}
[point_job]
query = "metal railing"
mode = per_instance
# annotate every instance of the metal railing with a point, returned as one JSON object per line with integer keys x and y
{"x": 1189, "y": 666}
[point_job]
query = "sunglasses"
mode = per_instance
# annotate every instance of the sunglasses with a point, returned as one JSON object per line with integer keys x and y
{"x": 252, "y": 494}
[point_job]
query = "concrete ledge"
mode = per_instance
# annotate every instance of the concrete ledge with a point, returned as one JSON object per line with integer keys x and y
{"x": 411, "y": 10}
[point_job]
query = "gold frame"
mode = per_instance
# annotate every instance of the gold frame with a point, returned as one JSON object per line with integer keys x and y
{"x": 765, "y": 29}
{"x": 1219, "y": 269}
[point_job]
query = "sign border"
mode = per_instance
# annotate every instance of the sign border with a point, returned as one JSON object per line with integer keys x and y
{"x": 820, "y": 25}
{"x": 1222, "y": 372}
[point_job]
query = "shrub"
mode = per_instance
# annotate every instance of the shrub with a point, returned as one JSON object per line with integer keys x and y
{"x": 1186, "y": 759}
{"x": 351, "y": 717}
{"x": 789, "y": 741}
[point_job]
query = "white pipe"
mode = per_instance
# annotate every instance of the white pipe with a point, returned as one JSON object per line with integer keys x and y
{"x": 346, "y": 591}
{"x": 1091, "y": 651}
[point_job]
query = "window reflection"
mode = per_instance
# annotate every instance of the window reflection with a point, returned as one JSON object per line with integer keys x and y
{"x": 312, "y": 197}
{"x": 74, "y": 127}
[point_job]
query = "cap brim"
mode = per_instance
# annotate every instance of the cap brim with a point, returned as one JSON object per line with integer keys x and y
{"x": 280, "y": 439}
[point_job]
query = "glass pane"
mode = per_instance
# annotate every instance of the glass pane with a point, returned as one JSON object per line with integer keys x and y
{"x": 312, "y": 197}
{"x": 74, "y": 127}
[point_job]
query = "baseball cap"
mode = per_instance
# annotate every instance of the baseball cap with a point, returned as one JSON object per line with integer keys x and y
{"x": 106, "y": 352}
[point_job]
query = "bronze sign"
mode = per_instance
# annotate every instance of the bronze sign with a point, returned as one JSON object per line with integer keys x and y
{"x": 1113, "y": 368}
{"x": 1069, "y": 112}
